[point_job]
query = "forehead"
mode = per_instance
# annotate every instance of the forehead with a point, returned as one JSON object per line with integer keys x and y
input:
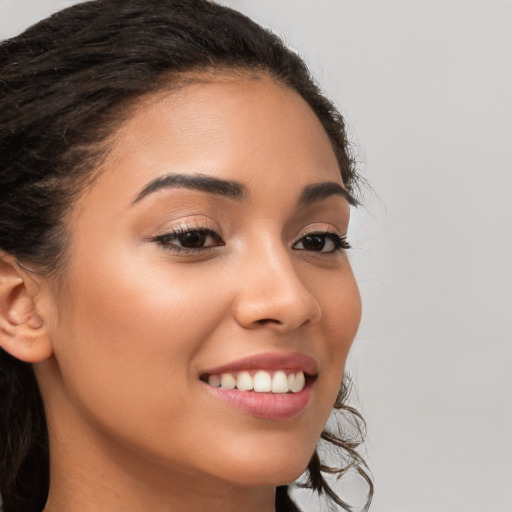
{"x": 248, "y": 129}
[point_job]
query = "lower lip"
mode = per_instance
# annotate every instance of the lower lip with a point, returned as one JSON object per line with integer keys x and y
{"x": 270, "y": 406}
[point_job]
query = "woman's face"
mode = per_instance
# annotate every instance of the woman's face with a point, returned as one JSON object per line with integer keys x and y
{"x": 210, "y": 246}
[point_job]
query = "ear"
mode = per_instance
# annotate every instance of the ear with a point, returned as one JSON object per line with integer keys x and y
{"x": 23, "y": 333}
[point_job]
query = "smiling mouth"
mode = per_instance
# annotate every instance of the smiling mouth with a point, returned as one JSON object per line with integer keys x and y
{"x": 269, "y": 386}
{"x": 260, "y": 381}
{"x": 264, "y": 394}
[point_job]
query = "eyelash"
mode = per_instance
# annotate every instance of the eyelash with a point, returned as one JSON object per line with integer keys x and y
{"x": 340, "y": 243}
{"x": 166, "y": 240}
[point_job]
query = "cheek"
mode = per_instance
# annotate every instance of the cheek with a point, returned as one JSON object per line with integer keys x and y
{"x": 139, "y": 305}
{"x": 341, "y": 314}
{"x": 129, "y": 332}
{"x": 340, "y": 302}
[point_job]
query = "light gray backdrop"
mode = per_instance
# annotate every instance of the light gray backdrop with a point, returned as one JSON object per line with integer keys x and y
{"x": 426, "y": 88}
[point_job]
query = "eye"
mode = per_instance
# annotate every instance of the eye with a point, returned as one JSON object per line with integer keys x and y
{"x": 189, "y": 240}
{"x": 322, "y": 242}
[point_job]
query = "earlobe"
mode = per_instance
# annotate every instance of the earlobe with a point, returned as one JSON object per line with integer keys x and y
{"x": 23, "y": 333}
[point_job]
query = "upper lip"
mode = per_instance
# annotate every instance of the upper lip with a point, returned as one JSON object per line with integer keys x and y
{"x": 269, "y": 361}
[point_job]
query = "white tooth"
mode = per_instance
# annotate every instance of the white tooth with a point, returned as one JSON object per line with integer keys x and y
{"x": 227, "y": 381}
{"x": 291, "y": 378}
{"x": 280, "y": 382}
{"x": 214, "y": 380}
{"x": 298, "y": 382}
{"x": 244, "y": 381}
{"x": 262, "y": 382}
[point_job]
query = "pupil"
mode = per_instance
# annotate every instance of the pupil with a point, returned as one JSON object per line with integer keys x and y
{"x": 193, "y": 239}
{"x": 314, "y": 242}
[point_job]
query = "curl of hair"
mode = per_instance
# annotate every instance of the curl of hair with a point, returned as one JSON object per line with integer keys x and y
{"x": 66, "y": 85}
{"x": 350, "y": 435}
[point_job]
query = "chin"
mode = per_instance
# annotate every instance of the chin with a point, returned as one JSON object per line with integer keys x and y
{"x": 277, "y": 470}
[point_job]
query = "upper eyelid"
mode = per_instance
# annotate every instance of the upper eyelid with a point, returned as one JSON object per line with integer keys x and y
{"x": 187, "y": 226}
{"x": 320, "y": 231}
{"x": 208, "y": 225}
{"x": 176, "y": 232}
{"x": 183, "y": 228}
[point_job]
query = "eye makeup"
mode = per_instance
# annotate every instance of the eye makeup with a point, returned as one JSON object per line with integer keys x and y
{"x": 197, "y": 239}
{"x": 185, "y": 239}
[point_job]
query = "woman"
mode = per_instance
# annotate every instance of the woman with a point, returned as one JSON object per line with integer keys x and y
{"x": 174, "y": 285}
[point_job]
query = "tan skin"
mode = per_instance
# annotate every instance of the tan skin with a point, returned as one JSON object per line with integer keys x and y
{"x": 120, "y": 350}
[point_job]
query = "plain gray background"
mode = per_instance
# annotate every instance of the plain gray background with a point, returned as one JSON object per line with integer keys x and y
{"x": 426, "y": 88}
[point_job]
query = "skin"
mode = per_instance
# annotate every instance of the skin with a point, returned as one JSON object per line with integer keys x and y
{"x": 123, "y": 344}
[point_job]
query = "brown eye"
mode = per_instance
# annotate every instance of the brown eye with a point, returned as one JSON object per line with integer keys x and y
{"x": 191, "y": 240}
{"x": 314, "y": 242}
{"x": 321, "y": 242}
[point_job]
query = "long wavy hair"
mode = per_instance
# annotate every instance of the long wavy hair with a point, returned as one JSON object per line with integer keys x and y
{"x": 66, "y": 84}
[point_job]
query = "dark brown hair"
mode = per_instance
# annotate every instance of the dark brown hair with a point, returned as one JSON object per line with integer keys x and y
{"x": 66, "y": 83}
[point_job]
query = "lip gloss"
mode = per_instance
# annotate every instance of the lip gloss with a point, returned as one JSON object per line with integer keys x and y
{"x": 271, "y": 406}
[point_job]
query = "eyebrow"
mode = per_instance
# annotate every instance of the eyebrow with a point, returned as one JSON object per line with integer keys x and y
{"x": 319, "y": 191}
{"x": 238, "y": 191}
{"x": 201, "y": 182}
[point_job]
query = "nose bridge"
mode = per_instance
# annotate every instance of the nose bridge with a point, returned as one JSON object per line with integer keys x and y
{"x": 271, "y": 291}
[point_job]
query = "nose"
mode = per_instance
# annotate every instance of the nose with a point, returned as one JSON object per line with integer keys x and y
{"x": 272, "y": 293}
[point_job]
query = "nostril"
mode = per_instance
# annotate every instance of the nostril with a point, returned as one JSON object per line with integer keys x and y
{"x": 264, "y": 321}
